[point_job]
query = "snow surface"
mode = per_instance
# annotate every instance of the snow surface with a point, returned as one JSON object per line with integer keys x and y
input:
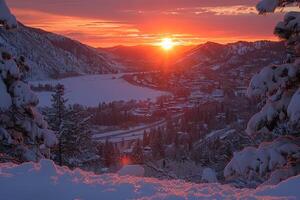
{"x": 9, "y": 67}
{"x": 91, "y": 89}
{"x": 294, "y": 108}
{"x": 209, "y": 176}
{"x": 132, "y": 170}
{"x": 22, "y": 94}
{"x": 47, "y": 181}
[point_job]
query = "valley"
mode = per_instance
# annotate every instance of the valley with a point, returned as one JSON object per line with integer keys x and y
{"x": 149, "y": 100}
{"x": 181, "y": 108}
{"x": 169, "y": 111}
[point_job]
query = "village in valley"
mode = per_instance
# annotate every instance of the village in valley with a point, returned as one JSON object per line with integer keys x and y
{"x": 188, "y": 96}
{"x": 166, "y": 119}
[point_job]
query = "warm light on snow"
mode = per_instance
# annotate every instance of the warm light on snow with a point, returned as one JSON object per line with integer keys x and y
{"x": 125, "y": 160}
{"x": 49, "y": 181}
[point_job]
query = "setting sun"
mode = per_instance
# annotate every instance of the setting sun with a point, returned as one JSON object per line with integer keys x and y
{"x": 140, "y": 99}
{"x": 167, "y": 44}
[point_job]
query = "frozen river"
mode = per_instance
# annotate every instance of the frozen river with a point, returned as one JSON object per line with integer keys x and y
{"x": 89, "y": 90}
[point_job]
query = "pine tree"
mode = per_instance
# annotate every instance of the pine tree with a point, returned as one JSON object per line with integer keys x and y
{"x": 137, "y": 153}
{"x": 59, "y": 106}
{"x": 78, "y": 147}
{"x": 75, "y": 146}
{"x": 24, "y": 135}
{"x": 157, "y": 145}
{"x": 278, "y": 87}
{"x": 145, "y": 139}
{"x": 109, "y": 154}
{"x": 170, "y": 132}
{"x": 57, "y": 118}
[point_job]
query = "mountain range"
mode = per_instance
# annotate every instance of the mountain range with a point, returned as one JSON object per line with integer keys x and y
{"x": 143, "y": 58}
{"x": 52, "y": 56}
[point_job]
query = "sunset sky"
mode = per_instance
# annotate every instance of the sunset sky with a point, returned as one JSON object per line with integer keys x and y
{"x": 103, "y": 23}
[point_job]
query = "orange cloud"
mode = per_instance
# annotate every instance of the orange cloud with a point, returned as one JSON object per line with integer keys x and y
{"x": 153, "y": 26}
{"x": 87, "y": 30}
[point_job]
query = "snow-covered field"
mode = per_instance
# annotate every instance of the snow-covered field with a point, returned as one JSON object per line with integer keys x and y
{"x": 47, "y": 181}
{"x": 89, "y": 90}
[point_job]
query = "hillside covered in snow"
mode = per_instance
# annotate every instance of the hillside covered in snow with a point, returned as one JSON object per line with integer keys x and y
{"x": 216, "y": 56}
{"x": 53, "y": 56}
{"x": 48, "y": 181}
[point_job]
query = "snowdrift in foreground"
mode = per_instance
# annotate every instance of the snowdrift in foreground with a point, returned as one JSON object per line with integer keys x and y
{"x": 47, "y": 181}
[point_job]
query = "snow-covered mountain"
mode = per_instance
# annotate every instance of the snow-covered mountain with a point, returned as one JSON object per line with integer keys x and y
{"x": 147, "y": 57}
{"x": 216, "y": 56}
{"x": 210, "y": 55}
{"x": 53, "y": 56}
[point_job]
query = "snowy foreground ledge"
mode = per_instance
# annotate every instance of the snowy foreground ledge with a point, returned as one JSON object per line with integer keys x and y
{"x": 47, "y": 181}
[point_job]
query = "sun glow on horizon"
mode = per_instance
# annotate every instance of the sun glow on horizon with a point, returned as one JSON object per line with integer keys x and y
{"x": 167, "y": 44}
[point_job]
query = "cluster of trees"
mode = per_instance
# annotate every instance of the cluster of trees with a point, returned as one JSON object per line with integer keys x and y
{"x": 43, "y": 88}
{"x": 112, "y": 114}
{"x": 213, "y": 115}
{"x": 71, "y": 124}
{"x": 109, "y": 153}
{"x": 119, "y": 113}
{"x": 112, "y": 157}
{"x": 153, "y": 146}
{"x": 185, "y": 138}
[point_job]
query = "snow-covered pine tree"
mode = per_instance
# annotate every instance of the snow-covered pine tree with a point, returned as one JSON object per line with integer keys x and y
{"x": 59, "y": 107}
{"x": 57, "y": 116}
{"x": 78, "y": 148}
{"x": 23, "y": 132}
{"x": 278, "y": 86}
{"x": 71, "y": 123}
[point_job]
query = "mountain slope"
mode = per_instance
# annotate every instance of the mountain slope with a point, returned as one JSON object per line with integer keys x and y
{"x": 221, "y": 57}
{"x": 142, "y": 58}
{"x": 54, "y": 56}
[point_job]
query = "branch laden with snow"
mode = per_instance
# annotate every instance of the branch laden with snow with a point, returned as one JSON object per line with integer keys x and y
{"x": 265, "y": 6}
{"x": 23, "y": 132}
{"x": 279, "y": 87}
{"x": 279, "y": 84}
{"x": 259, "y": 162}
